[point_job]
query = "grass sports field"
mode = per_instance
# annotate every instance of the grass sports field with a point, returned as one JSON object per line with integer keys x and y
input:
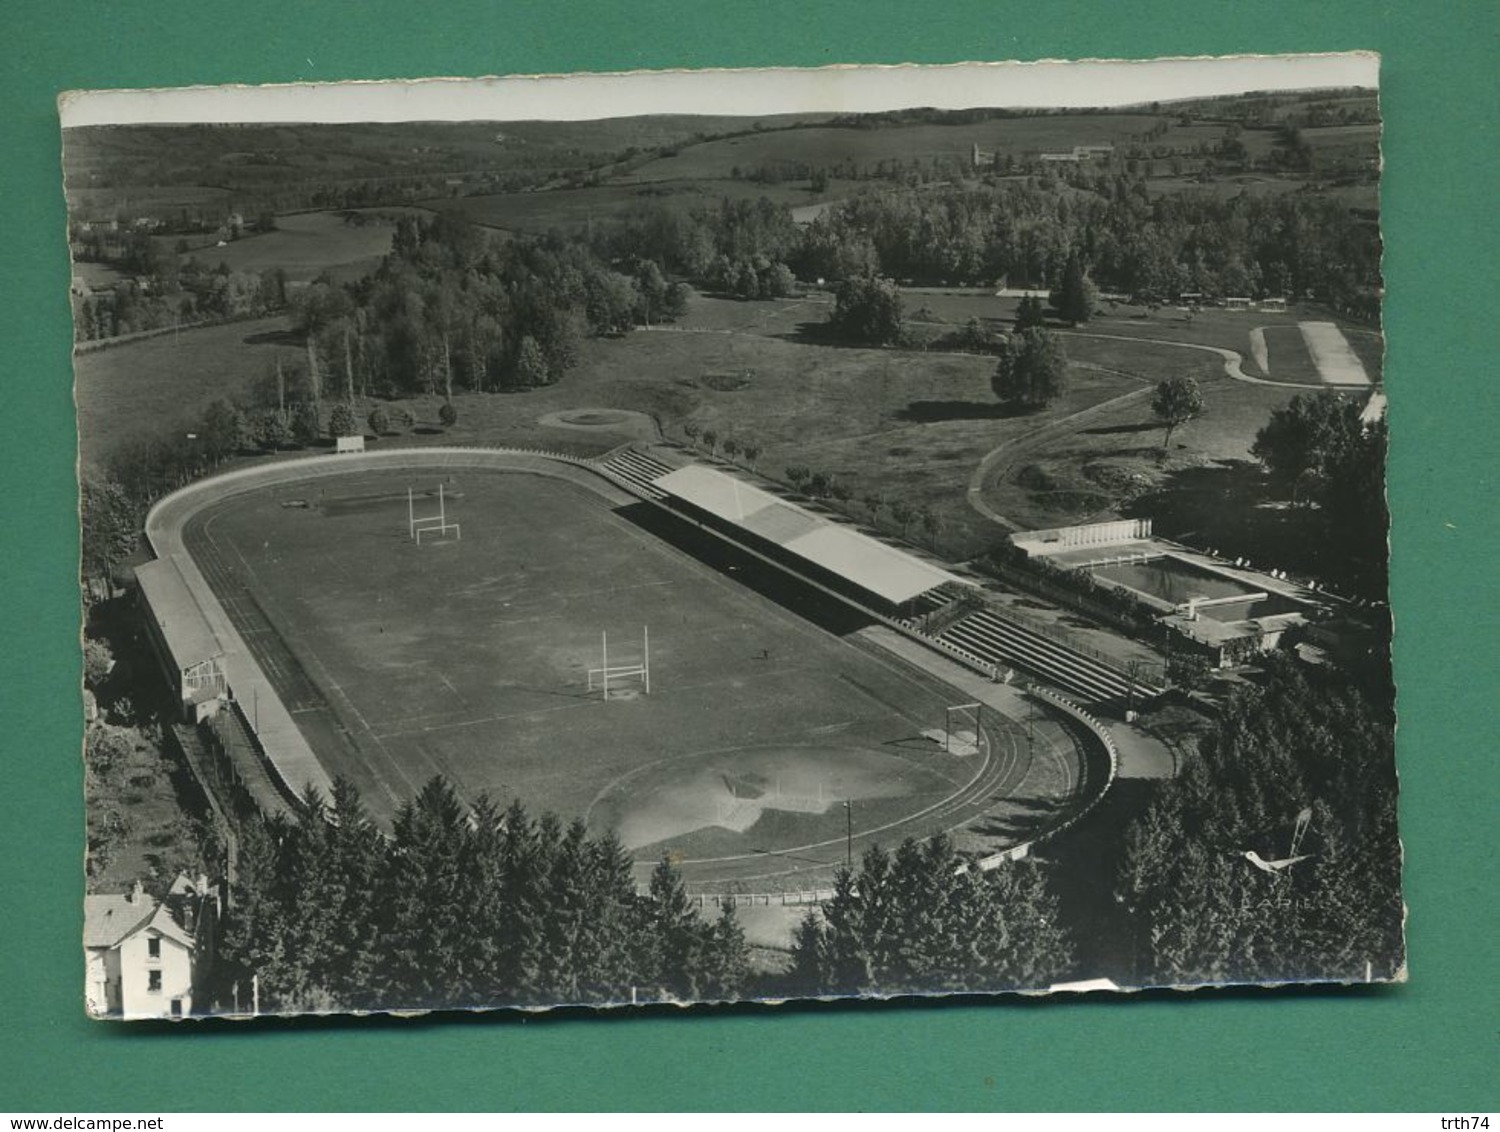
{"x": 469, "y": 658}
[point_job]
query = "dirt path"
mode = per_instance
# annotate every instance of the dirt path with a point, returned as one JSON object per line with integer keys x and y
{"x": 991, "y": 466}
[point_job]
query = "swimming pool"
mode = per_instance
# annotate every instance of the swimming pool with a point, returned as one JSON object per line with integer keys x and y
{"x": 1175, "y": 580}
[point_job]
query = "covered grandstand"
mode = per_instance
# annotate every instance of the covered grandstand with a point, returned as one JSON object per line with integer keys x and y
{"x": 183, "y": 640}
{"x": 870, "y": 571}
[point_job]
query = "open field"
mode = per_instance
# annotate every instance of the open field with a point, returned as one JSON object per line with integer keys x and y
{"x": 160, "y": 386}
{"x": 1095, "y": 472}
{"x": 469, "y": 659}
{"x": 1289, "y": 357}
{"x": 1369, "y": 347}
{"x": 304, "y": 245}
{"x": 816, "y": 146}
{"x": 576, "y": 208}
{"x": 206, "y": 166}
{"x": 900, "y": 425}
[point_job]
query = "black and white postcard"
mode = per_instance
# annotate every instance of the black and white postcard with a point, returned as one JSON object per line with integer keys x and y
{"x": 698, "y": 537}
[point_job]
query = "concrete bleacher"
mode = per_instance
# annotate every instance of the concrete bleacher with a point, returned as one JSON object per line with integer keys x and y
{"x": 994, "y": 638}
{"x": 636, "y": 471}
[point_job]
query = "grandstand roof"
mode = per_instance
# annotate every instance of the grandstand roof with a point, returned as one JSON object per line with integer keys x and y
{"x": 886, "y": 571}
{"x": 718, "y": 493}
{"x": 186, "y": 632}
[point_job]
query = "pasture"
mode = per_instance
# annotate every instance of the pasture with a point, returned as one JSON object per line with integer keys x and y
{"x": 469, "y": 658}
{"x": 305, "y": 245}
{"x": 819, "y": 146}
{"x": 540, "y": 211}
{"x": 160, "y": 386}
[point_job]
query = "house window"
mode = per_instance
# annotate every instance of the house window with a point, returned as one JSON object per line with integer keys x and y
{"x": 177, "y": 1008}
{"x": 153, "y": 947}
{"x": 153, "y": 982}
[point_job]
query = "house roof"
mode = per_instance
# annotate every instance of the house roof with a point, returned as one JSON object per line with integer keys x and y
{"x": 187, "y": 633}
{"x": 109, "y": 919}
{"x": 889, "y": 572}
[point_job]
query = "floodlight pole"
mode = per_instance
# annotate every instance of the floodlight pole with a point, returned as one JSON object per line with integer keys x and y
{"x": 604, "y": 647}
{"x": 646, "y": 649}
{"x": 848, "y": 835}
{"x": 411, "y": 514}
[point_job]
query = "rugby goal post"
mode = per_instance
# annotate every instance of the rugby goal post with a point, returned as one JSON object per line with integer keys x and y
{"x": 600, "y": 677}
{"x": 419, "y": 525}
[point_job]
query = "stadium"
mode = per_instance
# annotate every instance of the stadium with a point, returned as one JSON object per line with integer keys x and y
{"x": 667, "y": 650}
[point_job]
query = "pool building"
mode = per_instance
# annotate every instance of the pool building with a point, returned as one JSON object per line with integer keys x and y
{"x": 1224, "y": 609}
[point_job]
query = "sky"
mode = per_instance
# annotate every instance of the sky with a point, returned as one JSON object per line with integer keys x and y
{"x": 764, "y": 92}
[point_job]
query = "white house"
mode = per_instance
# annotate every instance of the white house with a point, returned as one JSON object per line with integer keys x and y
{"x": 146, "y": 957}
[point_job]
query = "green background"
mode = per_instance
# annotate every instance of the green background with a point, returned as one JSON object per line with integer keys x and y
{"x": 1430, "y": 1045}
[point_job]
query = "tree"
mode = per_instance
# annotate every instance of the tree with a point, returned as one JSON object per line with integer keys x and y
{"x": 447, "y": 414}
{"x": 109, "y": 524}
{"x": 728, "y": 962}
{"x": 1030, "y": 312}
{"x": 305, "y": 425}
{"x": 531, "y": 365}
{"x": 929, "y": 522}
{"x": 1354, "y": 506}
{"x": 1301, "y": 738}
{"x": 379, "y": 421}
{"x": 867, "y": 310}
{"x": 676, "y": 955}
{"x": 1032, "y": 368}
{"x": 272, "y": 430}
{"x": 912, "y": 921}
{"x": 1177, "y": 400}
{"x": 777, "y": 281}
{"x": 98, "y": 661}
{"x": 1309, "y": 434}
{"x": 904, "y": 513}
{"x": 223, "y": 431}
{"x": 342, "y": 422}
{"x": 1074, "y": 299}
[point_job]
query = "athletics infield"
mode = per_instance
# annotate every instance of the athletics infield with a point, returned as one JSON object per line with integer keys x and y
{"x": 468, "y": 657}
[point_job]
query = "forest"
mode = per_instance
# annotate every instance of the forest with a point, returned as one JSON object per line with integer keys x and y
{"x": 1322, "y": 897}
{"x": 460, "y": 906}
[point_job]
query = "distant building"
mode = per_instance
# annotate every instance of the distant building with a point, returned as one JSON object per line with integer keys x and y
{"x": 148, "y": 958}
{"x": 1080, "y": 153}
{"x": 1278, "y": 305}
{"x": 1237, "y": 302}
